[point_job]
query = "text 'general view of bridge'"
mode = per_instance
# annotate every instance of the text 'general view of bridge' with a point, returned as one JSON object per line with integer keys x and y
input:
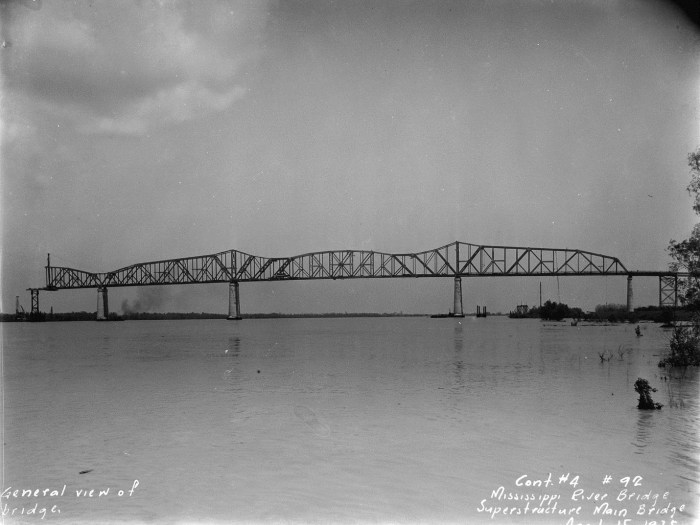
{"x": 454, "y": 260}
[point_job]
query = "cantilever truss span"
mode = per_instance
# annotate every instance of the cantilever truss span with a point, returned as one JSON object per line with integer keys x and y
{"x": 457, "y": 259}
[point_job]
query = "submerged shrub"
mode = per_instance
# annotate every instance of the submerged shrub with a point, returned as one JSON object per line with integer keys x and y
{"x": 554, "y": 311}
{"x": 642, "y": 387}
{"x": 685, "y": 347}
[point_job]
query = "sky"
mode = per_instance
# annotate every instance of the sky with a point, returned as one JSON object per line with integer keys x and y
{"x": 135, "y": 131}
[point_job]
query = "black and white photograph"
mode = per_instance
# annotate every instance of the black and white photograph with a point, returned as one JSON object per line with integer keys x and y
{"x": 350, "y": 262}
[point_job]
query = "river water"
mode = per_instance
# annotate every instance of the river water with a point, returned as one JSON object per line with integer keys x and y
{"x": 353, "y": 420}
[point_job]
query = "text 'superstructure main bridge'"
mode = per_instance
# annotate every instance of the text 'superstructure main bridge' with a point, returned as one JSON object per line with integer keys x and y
{"x": 457, "y": 259}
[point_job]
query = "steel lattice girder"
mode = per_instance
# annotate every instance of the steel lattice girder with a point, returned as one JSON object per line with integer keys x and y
{"x": 668, "y": 291}
{"x": 455, "y": 259}
{"x": 35, "y": 300}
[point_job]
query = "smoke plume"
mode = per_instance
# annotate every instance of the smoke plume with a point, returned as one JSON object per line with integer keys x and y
{"x": 148, "y": 299}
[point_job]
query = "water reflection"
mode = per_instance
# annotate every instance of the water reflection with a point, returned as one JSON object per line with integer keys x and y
{"x": 232, "y": 351}
{"x": 458, "y": 361}
{"x": 106, "y": 345}
{"x": 459, "y": 337}
{"x": 683, "y": 446}
{"x": 234, "y": 347}
{"x": 645, "y": 427}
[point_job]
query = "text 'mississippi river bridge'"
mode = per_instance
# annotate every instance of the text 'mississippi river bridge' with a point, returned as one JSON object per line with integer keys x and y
{"x": 455, "y": 260}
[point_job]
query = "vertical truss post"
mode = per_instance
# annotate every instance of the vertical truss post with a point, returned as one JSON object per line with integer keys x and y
{"x": 35, "y": 301}
{"x": 668, "y": 291}
{"x": 102, "y": 304}
{"x": 234, "y": 302}
{"x": 630, "y": 294}
{"x": 456, "y": 258}
{"x": 458, "y": 298}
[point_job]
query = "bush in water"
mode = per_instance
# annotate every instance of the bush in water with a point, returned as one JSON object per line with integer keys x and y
{"x": 642, "y": 387}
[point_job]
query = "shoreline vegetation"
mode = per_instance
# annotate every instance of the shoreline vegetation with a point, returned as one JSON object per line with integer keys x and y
{"x": 611, "y": 313}
{"x": 548, "y": 312}
{"x": 684, "y": 346}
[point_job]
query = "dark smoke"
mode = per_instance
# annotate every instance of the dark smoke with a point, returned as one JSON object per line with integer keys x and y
{"x": 147, "y": 300}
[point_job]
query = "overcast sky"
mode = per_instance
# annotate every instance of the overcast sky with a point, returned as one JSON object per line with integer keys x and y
{"x": 138, "y": 130}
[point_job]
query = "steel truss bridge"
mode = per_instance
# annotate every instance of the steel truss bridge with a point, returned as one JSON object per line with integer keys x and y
{"x": 455, "y": 260}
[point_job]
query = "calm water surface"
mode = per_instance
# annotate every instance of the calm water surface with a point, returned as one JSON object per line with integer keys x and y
{"x": 366, "y": 420}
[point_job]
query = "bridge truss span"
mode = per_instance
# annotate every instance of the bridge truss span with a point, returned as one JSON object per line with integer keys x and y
{"x": 457, "y": 259}
{"x": 519, "y": 261}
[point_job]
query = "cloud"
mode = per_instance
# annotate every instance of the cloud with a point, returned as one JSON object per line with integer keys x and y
{"x": 178, "y": 103}
{"x": 126, "y": 68}
{"x": 16, "y": 128}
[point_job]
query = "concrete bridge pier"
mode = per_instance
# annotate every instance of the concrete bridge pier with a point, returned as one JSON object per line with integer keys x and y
{"x": 234, "y": 302}
{"x": 458, "y": 298}
{"x": 102, "y": 304}
{"x": 630, "y": 294}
